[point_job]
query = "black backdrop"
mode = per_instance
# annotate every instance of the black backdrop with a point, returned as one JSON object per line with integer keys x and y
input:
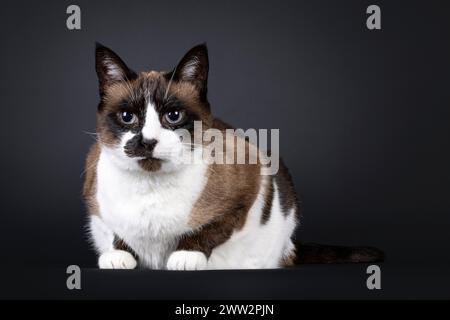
{"x": 363, "y": 118}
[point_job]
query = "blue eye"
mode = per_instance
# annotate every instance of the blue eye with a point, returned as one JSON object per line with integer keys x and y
{"x": 128, "y": 117}
{"x": 174, "y": 117}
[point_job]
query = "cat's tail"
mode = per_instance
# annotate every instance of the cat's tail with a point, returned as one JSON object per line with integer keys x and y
{"x": 308, "y": 253}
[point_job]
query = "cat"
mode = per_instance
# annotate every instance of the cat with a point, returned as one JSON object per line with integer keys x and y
{"x": 150, "y": 209}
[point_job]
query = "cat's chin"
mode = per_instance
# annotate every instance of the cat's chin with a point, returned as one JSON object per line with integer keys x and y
{"x": 151, "y": 164}
{"x": 157, "y": 165}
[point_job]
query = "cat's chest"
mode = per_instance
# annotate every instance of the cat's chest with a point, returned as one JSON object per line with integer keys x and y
{"x": 141, "y": 206}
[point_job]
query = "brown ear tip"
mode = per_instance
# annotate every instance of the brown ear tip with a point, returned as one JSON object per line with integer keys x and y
{"x": 202, "y": 47}
{"x": 101, "y": 49}
{"x": 98, "y": 45}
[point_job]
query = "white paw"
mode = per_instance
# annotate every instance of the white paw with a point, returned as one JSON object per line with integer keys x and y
{"x": 187, "y": 260}
{"x": 117, "y": 259}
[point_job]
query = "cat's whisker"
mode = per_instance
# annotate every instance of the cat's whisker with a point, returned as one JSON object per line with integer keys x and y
{"x": 192, "y": 144}
{"x": 100, "y": 141}
{"x": 173, "y": 94}
{"x": 87, "y": 168}
{"x": 170, "y": 83}
{"x": 88, "y": 132}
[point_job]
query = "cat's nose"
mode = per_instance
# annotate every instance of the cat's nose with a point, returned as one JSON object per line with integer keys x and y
{"x": 149, "y": 144}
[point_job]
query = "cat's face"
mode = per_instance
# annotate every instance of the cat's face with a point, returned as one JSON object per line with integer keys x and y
{"x": 140, "y": 116}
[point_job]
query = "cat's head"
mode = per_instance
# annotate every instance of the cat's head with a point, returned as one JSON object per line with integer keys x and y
{"x": 140, "y": 115}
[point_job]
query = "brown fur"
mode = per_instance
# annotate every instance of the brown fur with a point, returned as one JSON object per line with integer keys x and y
{"x": 224, "y": 204}
{"x": 90, "y": 181}
{"x": 222, "y": 208}
{"x": 268, "y": 199}
{"x": 187, "y": 93}
{"x": 289, "y": 261}
{"x": 119, "y": 244}
{"x": 286, "y": 190}
{"x": 318, "y": 253}
{"x": 150, "y": 164}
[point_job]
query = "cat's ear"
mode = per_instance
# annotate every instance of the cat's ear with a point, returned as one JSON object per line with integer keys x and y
{"x": 110, "y": 68}
{"x": 194, "y": 67}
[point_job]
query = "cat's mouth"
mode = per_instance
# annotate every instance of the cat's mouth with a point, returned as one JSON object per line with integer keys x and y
{"x": 141, "y": 154}
{"x": 153, "y": 158}
{"x": 146, "y": 158}
{"x": 150, "y": 164}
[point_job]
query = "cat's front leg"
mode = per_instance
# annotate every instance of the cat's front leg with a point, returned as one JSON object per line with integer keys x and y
{"x": 194, "y": 249}
{"x": 113, "y": 253}
{"x": 187, "y": 260}
{"x": 116, "y": 259}
{"x": 192, "y": 252}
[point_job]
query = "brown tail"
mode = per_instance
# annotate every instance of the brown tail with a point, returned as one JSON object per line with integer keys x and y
{"x": 308, "y": 253}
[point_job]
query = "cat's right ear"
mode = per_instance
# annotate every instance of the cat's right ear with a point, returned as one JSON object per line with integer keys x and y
{"x": 110, "y": 68}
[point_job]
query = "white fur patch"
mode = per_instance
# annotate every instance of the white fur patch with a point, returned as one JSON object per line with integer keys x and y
{"x": 152, "y": 126}
{"x": 117, "y": 259}
{"x": 147, "y": 210}
{"x": 168, "y": 146}
{"x": 101, "y": 235}
{"x": 187, "y": 260}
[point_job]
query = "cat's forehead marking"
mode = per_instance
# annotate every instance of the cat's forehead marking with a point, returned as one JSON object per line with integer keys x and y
{"x": 152, "y": 74}
{"x": 145, "y": 84}
{"x": 117, "y": 92}
{"x": 151, "y": 77}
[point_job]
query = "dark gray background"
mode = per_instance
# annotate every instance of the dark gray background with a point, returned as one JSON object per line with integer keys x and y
{"x": 363, "y": 118}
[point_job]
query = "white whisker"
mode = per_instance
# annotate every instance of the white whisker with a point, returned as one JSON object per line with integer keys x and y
{"x": 170, "y": 82}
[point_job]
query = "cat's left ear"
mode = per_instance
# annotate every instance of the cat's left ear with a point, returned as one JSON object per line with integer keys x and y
{"x": 110, "y": 68}
{"x": 193, "y": 68}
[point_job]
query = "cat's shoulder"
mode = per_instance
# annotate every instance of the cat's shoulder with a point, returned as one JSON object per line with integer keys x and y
{"x": 90, "y": 172}
{"x": 221, "y": 125}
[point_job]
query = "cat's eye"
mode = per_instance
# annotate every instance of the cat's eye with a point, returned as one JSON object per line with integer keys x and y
{"x": 128, "y": 117}
{"x": 174, "y": 117}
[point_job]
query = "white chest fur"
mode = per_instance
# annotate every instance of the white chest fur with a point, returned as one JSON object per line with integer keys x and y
{"x": 148, "y": 210}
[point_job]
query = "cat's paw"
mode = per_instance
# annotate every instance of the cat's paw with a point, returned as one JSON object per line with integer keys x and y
{"x": 117, "y": 259}
{"x": 187, "y": 260}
